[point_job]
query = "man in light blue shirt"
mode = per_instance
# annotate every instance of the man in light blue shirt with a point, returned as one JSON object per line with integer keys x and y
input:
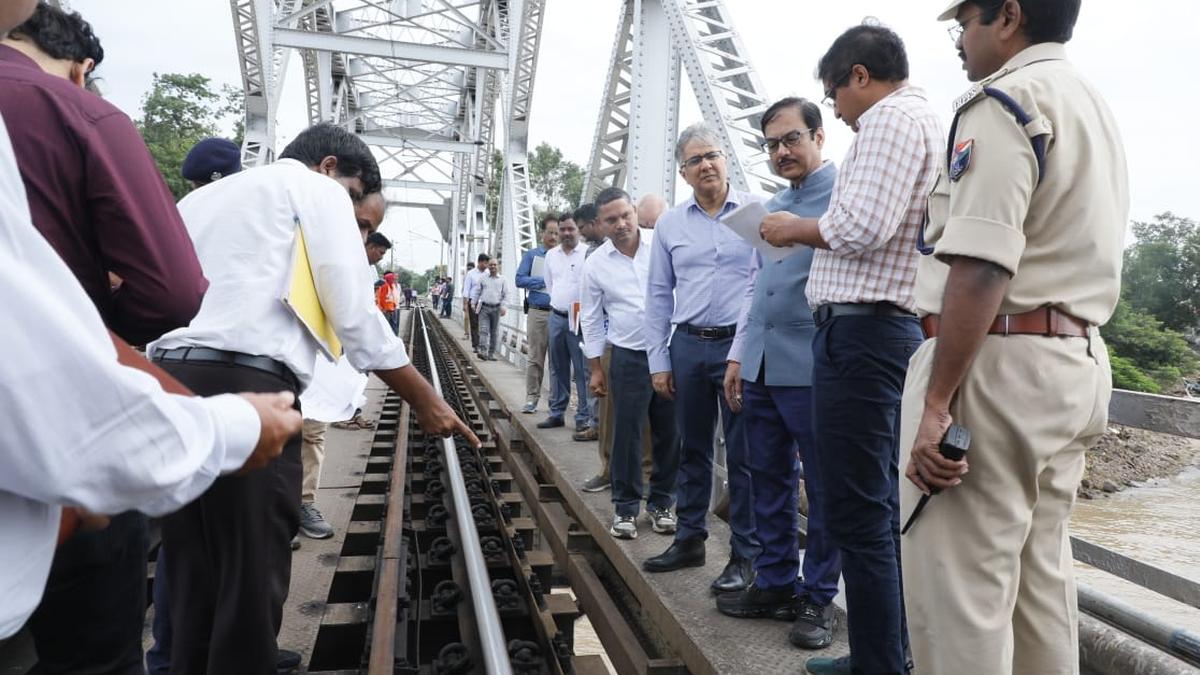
{"x": 698, "y": 274}
{"x": 537, "y": 323}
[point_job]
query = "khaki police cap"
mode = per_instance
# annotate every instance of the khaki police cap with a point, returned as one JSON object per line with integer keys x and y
{"x": 951, "y": 11}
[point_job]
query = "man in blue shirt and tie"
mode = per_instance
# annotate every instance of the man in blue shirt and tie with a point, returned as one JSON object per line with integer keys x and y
{"x": 537, "y": 322}
{"x": 698, "y": 274}
{"x": 769, "y": 379}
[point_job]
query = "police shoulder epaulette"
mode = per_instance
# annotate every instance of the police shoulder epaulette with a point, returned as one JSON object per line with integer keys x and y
{"x": 976, "y": 91}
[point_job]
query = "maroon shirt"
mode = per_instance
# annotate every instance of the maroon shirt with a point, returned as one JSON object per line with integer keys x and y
{"x": 96, "y": 195}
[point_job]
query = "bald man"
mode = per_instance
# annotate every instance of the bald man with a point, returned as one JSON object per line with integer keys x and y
{"x": 649, "y": 208}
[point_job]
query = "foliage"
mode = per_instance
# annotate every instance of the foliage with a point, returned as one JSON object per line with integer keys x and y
{"x": 1125, "y": 375}
{"x": 409, "y": 279}
{"x": 180, "y": 110}
{"x": 492, "y": 200}
{"x": 1162, "y": 271}
{"x": 1144, "y": 345}
{"x": 557, "y": 182}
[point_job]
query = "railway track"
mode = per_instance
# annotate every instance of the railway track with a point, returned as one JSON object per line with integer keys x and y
{"x": 439, "y": 572}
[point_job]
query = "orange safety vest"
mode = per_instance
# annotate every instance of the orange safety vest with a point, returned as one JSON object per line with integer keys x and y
{"x": 386, "y": 298}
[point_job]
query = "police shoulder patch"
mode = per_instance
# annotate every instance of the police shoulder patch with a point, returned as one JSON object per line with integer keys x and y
{"x": 961, "y": 159}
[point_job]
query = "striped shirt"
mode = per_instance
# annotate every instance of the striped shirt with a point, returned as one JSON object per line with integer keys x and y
{"x": 878, "y": 204}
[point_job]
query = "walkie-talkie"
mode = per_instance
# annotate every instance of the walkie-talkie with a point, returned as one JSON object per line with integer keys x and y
{"x": 953, "y": 447}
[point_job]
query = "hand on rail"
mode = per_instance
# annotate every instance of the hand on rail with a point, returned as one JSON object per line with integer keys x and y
{"x": 279, "y": 421}
{"x": 437, "y": 418}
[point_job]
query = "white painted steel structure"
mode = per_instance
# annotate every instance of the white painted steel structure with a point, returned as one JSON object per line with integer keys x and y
{"x": 435, "y": 86}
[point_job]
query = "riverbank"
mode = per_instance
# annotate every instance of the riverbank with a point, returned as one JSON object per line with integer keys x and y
{"x": 1128, "y": 457}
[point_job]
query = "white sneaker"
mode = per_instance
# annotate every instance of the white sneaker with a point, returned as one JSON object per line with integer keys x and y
{"x": 624, "y": 527}
{"x": 663, "y": 520}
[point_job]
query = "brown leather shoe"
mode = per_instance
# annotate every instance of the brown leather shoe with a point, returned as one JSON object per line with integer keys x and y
{"x": 588, "y": 434}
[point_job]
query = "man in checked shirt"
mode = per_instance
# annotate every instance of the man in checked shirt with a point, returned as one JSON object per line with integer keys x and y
{"x": 861, "y": 291}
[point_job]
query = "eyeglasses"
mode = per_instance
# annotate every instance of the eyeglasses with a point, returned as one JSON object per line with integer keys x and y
{"x": 956, "y": 31}
{"x": 693, "y": 162}
{"x": 831, "y": 93}
{"x": 788, "y": 140}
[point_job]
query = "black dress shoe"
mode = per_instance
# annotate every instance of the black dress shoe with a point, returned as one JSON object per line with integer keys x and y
{"x": 738, "y": 574}
{"x": 551, "y": 423}
{"x": 756, "y": 603}
{"x": 287, "y": 661}
{"x": 680, "y": 554}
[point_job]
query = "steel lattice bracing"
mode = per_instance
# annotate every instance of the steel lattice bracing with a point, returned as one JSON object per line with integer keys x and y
{"x": 416, "y": 79}
{"x": 640, "y": 109}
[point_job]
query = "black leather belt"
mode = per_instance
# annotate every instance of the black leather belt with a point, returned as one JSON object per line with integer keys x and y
{"x": 490, "y": 304}
{"x": 221, "y": 356}
{"x": 708, "y": 332}
{"x": 558, "y": 312}
{"x": 544, "y": 308}
{"x": 835, "y": 309}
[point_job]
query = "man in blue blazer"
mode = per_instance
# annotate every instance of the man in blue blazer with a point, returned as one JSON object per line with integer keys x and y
{"x": 769, "y": 376}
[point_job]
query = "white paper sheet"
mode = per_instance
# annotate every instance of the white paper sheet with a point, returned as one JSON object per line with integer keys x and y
{"x": 746, "y": 220}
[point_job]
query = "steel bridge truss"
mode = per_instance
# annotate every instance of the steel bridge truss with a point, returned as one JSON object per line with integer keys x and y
{"x": 436, "y": 86}
{"x": 635, "y": 133}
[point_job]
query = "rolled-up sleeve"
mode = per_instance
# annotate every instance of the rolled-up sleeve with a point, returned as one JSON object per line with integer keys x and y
{"x": 337, "y": 256}
{"x": 874, "y": 186}
{"x": 989, "y": 202}
{"x": 660, "y": 304}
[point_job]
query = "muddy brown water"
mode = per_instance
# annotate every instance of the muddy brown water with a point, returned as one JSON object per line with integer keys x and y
{"x": 1157, "y": 524}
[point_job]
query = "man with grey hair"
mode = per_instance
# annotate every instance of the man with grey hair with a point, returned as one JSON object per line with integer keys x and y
{"x": 698, "y": 274}
{"x": 649, "y": 208}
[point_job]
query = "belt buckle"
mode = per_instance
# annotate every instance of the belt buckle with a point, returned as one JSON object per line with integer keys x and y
{"x": 708, "y": 333}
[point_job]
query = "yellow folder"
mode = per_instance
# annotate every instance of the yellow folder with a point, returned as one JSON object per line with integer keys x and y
{"x": 301, "y": 297}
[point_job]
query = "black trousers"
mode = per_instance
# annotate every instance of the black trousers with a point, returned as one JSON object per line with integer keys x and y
{"x": 231, "y": 555}
{"x": 90, "y": 618}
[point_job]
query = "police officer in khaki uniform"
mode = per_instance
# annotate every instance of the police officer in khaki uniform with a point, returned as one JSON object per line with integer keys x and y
{"x": 1026, "y": 227}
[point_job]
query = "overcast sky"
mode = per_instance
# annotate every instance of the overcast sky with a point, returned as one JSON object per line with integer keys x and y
{"x": 1139, "y": 57}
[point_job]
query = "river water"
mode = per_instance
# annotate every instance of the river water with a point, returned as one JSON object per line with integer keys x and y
{"x": 1159, "y": 525}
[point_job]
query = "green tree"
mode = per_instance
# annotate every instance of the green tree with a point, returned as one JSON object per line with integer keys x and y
{"x": 180, "y": 110}
{"x": 1161, "y": 274}
{"x": 492, "y": 199}
{"x": 1144, "y": 345}
{"x": 557, "y": 182}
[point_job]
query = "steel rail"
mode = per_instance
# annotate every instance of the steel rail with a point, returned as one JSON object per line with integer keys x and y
{"x": 487, "y": 617}
{"x": 382, "y": 657}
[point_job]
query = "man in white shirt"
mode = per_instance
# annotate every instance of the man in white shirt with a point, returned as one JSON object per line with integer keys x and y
{"x": 82, "y": 431}
{"x": 564, "y": 271}
{"x": 488, "y": 302}
{"x": 614, "y": 286}
{"x": 231, "y": 548}
{"x": 469, "y": 283}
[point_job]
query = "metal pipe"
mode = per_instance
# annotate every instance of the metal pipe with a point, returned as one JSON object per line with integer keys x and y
{"x": 487, "y": 617}
{"x": 1178, "y": 642}
{"x": 1104, "y": 650}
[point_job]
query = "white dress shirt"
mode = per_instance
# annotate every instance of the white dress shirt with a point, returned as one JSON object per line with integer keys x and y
{"x": 564, "y": 272}
{"x": 615, "y": 284}
{"x": 244, "y": 228}
{"x": 490, "y": 290}
{"x": 79, "y": 428}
